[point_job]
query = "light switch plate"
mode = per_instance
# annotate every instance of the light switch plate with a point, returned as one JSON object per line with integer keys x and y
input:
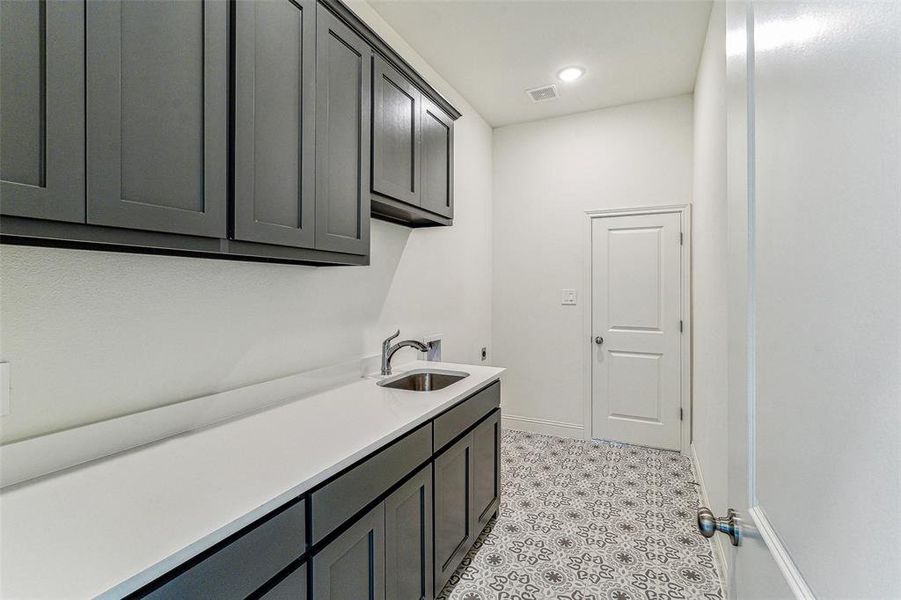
{"x": 4, "y": 389}
{"x": 568, "y": 297}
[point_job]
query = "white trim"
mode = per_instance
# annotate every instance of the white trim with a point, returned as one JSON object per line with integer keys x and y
{"x": 586, "y": 329}
{"x": 780, "y": 554}
{"x": 41, "y": 455}
{"x": 764, "y": 529}
{"x": 717, "y": 542}
{"x": 571, "y": 431}
{"x": 687, "y": 327}
{"x": 639, "y": 210}
{"x": 751, "y": 257}
{"x": 685, "y": 221}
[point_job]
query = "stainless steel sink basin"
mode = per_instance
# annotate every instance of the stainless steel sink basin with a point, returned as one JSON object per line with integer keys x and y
{"x": 423, "y": 380}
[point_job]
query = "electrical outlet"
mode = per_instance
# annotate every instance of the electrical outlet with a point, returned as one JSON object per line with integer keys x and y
{"x": 484, "y": 353}
{"x": 4, "y": 389}
{"x": 568, "y": 297}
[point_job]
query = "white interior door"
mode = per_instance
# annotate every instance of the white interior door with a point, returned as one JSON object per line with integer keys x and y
{"x": 814, "y": 136}
{"x": 636, "y": 311}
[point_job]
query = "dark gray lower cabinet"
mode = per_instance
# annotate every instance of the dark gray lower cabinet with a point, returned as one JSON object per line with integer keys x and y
{"x": 244, "y": 565}
{"x": 408, "y": 539}
{"x": 428, "y": 511}
{"x": 453, "y": 509}
{"x": 452, "y": 423}
{"x": 157, "y": 115}
{"x": 467, "y": 492}
{"x": 337, "y": 501}
{"x": 352, "y": 566}
{"x": 486, "y": 472}
{"x": 275, "y": 97}
{"x": 42, "y": 109}
{"x": 292, "y": 587}
{"x": 343, "y": 130}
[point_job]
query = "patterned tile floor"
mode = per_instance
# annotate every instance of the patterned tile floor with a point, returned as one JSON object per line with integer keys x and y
{"x": 589, "y": 521}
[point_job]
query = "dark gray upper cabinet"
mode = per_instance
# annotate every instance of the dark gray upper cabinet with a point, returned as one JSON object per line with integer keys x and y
{"x": 454, "y": 535}
{"x": 122, "y": 121}
{"x": 275, "y": 97}
{"x": 42, "y": 109}
{"x": 352, "y": 566}
{"x": 343, "y": 122}
{"x": 157, "y": 115}
{"x": 437, "y": 160}
{"x": 408, "y": 539}
{"x": 395, "y": 134}
{"x": 412, "y": 152}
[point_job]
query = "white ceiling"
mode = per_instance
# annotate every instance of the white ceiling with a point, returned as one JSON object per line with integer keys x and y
{"x": 491, "y": 51}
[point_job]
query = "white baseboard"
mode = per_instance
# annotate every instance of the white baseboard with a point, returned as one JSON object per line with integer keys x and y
{"x": 717, "y": 542}
{"x": 544, "y": 426}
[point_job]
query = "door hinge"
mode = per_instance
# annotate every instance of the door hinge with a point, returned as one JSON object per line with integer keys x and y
{"x": 681, "y": 238}
{"x": 681, "y": 414}
{"x": 680, "y": 325}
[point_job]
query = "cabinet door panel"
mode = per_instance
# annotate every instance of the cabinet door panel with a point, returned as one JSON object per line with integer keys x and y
{"x": 275, "y": 96}
{"x": 395, "y": 134}
{"x": 486, "y": 479}
{"x": 157, "y": 105}
{"x": 340, "y": 499}
{"x": 42, "y": 109}
{"x": 408, "y": 539}
{"x": 453, "y": 509}
{"x": 352, "y": 566}
{"x": 292, "y": 587}
{"x": 437, "y": 160}
{"x": 245, "y": 564}
{"x": 461, "y": 417}
{"x": 343, "y": 93}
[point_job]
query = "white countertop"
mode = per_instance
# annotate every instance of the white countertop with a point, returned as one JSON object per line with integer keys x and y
{"x": 110, "y": 526}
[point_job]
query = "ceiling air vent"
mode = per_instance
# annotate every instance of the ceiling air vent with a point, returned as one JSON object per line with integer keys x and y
{"x": 543, "y": 93}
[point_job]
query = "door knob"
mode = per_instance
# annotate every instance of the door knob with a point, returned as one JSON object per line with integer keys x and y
{"x": 598, "y": 340}
{"x": 730, "y": 524}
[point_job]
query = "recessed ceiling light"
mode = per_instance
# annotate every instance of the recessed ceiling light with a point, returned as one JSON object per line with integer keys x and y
{"x": 570, "y": 73}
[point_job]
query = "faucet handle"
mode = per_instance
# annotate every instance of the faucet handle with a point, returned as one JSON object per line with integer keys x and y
{"x": 391, "y": 337}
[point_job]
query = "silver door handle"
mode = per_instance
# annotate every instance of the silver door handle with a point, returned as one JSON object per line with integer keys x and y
{"x": 708, "y": 524}
{"x": 598, "y": 340}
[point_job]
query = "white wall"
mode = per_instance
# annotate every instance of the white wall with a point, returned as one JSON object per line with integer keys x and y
{"x": 93, "y": 335}
{"x": 710, "y": 386}
{"x": 546, "y": 175}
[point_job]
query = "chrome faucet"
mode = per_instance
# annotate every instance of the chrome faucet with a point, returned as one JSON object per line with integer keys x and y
{"x": 388, "y": 350}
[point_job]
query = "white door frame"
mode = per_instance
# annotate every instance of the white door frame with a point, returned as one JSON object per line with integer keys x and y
{"x": 684, "y": 211}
